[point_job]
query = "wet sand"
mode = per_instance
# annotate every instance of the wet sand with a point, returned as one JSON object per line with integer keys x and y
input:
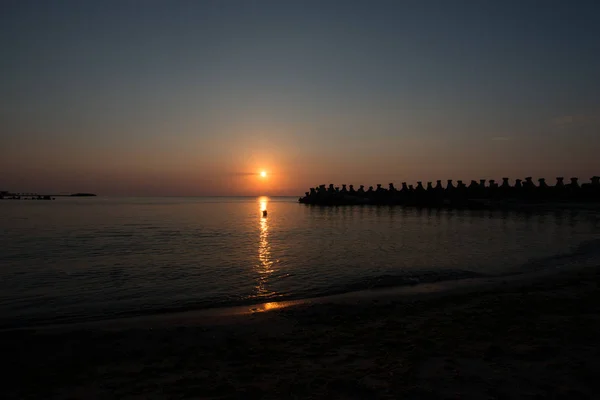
{"x": 520, "y": 338}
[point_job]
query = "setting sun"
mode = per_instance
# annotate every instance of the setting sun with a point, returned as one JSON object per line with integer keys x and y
{"x": 263, "y": 174}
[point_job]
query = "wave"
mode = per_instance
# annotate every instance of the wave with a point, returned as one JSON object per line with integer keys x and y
{"x": 585, "y": 254}
{"x": 408, "y": 278}
{"x": 367, "y": 283}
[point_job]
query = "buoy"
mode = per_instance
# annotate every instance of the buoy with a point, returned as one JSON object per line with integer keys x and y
{"x": 264, "y": 213}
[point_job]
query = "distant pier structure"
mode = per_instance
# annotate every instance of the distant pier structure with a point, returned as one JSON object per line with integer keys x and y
{"x": 476, "y": 194}
{"x": 6, "y": 195}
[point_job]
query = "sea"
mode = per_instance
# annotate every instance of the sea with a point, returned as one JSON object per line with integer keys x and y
{"x": 83, "y": 259}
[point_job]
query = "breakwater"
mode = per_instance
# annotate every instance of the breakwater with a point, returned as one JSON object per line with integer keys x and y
{"x": 477, "y": 194}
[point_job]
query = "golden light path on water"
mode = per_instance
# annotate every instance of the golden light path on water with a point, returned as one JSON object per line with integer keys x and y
{"x": 265, "y": 265}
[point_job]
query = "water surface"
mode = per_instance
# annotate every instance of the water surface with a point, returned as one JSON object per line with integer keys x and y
{"x": 90, "y": 258}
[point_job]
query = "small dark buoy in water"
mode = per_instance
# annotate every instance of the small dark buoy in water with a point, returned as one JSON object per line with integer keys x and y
{"x": 264, "y": 213}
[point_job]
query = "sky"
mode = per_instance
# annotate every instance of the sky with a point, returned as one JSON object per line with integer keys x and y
{"x": 178, "y": 98}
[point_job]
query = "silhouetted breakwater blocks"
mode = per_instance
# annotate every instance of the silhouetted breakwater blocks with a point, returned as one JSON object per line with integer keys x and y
{"x": 482, "y": 194}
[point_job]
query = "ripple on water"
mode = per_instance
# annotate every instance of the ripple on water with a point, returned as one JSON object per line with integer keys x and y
{"x": 130, "y": 256}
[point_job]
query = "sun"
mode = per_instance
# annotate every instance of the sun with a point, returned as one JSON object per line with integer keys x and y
{"x": 263, "y": 174}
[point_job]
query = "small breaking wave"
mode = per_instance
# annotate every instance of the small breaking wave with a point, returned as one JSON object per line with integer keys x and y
{"x": 408, "y": 278}
{"x": 585, "y": 254}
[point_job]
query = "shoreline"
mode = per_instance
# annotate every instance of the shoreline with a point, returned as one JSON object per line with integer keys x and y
{"x": 231, "y": 314}
{"x": 512, "y": 338}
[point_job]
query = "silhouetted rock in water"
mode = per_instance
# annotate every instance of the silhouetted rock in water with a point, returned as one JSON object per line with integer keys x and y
{"x": 543, "y": 192}
{"x": 574, "y": 183}
{"x": 459, "y": 195}
{"x": 83, "y": 195}
{"x": 591, "y": 191}
{"x": 344, "y": 190}
{"x": 574, "y": 190}
{"x": 475, "y": 189}
{"x": 505, "y": 191}
{"x": 438, "y": 193}
{"x": 518, "y": 184}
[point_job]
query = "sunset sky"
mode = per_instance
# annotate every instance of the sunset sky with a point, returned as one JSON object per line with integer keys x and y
{"x": 197, "y": 97}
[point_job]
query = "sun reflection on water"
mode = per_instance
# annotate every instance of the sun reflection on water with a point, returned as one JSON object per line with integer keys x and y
{"x": 263, "y": 203}
{"x": 265, "y": 266}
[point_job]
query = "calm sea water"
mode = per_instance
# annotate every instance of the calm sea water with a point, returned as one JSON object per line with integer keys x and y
{"x": 90, "y": 258}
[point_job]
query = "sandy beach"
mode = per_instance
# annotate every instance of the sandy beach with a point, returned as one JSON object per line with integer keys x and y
{"x": 520, "y": 338}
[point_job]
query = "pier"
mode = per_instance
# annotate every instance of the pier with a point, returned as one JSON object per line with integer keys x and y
{"x": 6, "y": 195}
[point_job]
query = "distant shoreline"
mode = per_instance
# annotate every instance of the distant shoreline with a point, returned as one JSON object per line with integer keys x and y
{"x": 38, "y": 196}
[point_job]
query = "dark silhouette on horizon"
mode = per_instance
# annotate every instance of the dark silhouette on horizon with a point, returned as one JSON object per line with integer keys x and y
{"x": 6, "y": 195}
{"x": 474, "y": 195}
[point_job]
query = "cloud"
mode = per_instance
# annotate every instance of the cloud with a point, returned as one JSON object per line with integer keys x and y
{"x": 243, "y": 173}
{"x": 500, "y": 138}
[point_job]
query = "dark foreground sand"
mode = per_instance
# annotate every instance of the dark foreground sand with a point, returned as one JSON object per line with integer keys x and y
{"x": 534, "y": 339}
